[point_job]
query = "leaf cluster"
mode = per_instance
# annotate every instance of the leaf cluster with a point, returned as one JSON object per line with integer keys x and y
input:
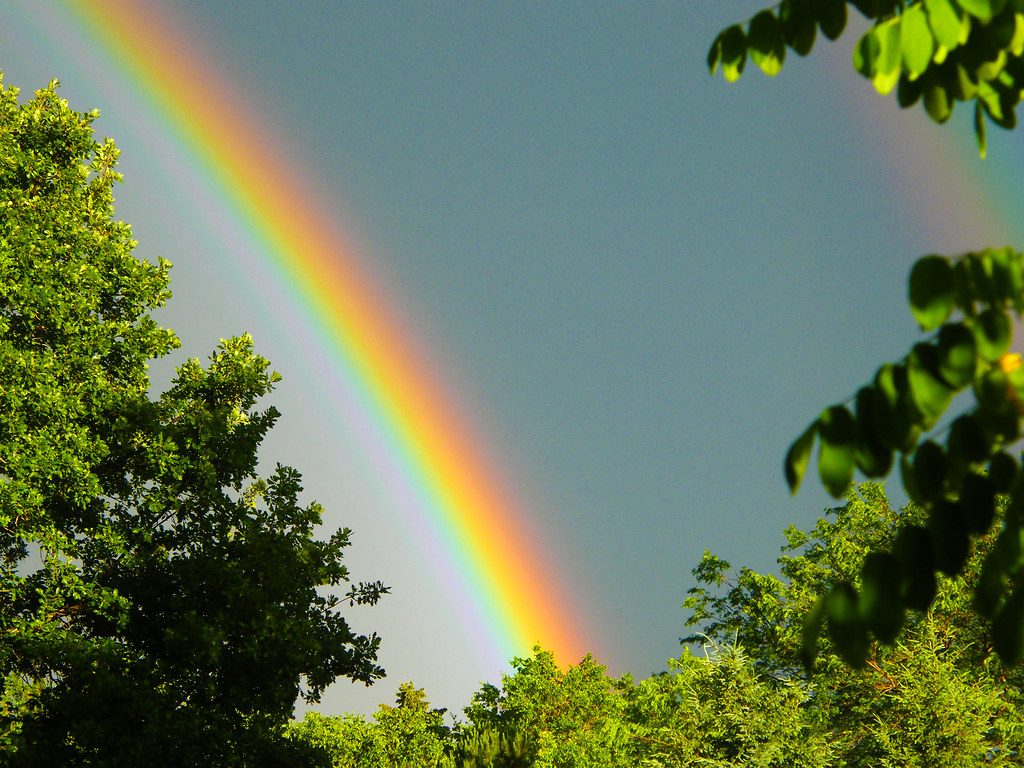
{"x": 935, "y": 51}
{"x": 965, "y": 302}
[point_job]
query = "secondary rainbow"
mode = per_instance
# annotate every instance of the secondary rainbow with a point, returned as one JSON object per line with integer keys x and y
{"x": 484, "y": 531}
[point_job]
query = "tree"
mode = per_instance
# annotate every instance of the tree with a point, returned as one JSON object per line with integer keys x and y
{"x": 157, "y": 597}
{"x": 408, "y": 734}
{"x": 938, "y": 697}
{"x": 941, "y": 51}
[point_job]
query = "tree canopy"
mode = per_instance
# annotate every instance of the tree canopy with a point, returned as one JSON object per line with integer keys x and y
{"x": 942, "y": 51}
{"x": 938, "y": 698}
{"x": 157, "y": 596}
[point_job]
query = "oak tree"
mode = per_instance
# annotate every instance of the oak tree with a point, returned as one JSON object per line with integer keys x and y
{"x": 157, "y": 596}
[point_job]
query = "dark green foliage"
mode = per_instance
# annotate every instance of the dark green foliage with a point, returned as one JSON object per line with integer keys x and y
{"x": 158, "y": 600}
{"x": 909, "y": 398}
{"x": 945, "y": 50}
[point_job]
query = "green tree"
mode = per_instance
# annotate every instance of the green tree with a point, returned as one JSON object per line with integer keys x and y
{"x": 938, "y": 697}
{"x": 568, "y": 715}
{"x": 158, "y": 599}
{"x": 720, "y": 712}
{"x": 408, "y": 735}
{"x": 941, "y": 52}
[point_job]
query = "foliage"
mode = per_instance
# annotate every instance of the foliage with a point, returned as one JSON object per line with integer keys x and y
{"x": 943, "y": 50}
{"x": 408, "y": 735}
{"x": 935, "y": 51}
{"x": 148, "y": 576}
{"x": 716, "y": 711}
{"x": 719, "y": 711}
{"x": 935, "y": 698}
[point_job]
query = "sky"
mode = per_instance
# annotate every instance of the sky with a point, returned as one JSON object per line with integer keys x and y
{"x": 636, "y": 283}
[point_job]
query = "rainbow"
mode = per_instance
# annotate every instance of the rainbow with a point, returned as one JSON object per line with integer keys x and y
{"x": 453, "y": 490}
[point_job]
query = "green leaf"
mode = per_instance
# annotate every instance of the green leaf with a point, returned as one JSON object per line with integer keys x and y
{"x": 799, "y": 25}
{"x": 929, "y": 472}
{"x": 837, "y": 454}
{"x": 963, "y": 288}
{"x": 979, "y": 129}
{"x": 1002, "y": 470}
{"x": 733, "y": 52}
{"x": 797, "y": 457}
{"x": 967, "y": 448}
{"x": 944, "y": 21}
{"x": 908, "y": 92}
{"x": 916, "y": 41}
{"x": 998, "y": 104}
{"x": 896, "y": 416}
{"x": 810, "y": 633}
{"x": 937, "y": 103}
{"x": 845, "y": 625}
{"x": 931, "y": 396}
{"x": 957, "y": 355}
{"x": 879, "y": 604}
{"x": 765, "y": 44}
{"x": 1007, "y": 271}
{"x": 832, "y": 17}
{"x": 983, "y": 10}
{"x": 715, "y": 54}
{"x": 1008, "y": 629}
{"x": 978, "y": 502}
{"x": 991, "y": 586}
{"x": 931, "y": 291}
{"x": 993, "y": 333}
{"x": 866, "y": 53}
{"x": 873, "y": 457}
{"x": 913, "y": 549}
{"x": 951, "y": 540}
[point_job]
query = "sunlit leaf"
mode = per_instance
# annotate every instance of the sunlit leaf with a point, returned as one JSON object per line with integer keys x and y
{"x": 931, "y": 291}
{"x": 916, "y": 42}
{"x": 765, "y": 44}
{"x": 733, "y": 42}
{"x": 983, "y": 10}
{"x": 944, "y": 22}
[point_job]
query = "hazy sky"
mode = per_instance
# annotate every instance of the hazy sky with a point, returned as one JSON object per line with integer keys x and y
{"x": 641, "y": 282}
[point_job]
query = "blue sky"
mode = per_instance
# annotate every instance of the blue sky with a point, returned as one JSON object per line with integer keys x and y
{"x": 641, "y": 282}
